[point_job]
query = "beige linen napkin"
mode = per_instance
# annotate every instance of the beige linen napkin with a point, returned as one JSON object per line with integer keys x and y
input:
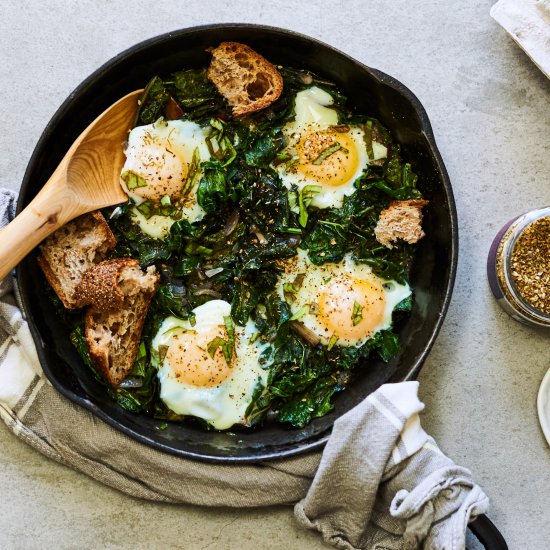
{"x": 381, "y": 482}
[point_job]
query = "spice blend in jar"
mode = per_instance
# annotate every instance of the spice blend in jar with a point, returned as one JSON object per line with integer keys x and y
{"x": 518, "y": 268}
{"x": 530, "y": 264}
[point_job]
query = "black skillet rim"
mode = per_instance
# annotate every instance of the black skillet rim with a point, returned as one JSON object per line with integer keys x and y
{"x": 320, "y": 440}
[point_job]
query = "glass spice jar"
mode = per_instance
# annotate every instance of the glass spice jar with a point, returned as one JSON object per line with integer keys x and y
{"x": 518, "y": 268}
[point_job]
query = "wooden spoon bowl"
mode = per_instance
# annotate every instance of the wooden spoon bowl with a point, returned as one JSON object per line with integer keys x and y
{"x": 86, "y": 179}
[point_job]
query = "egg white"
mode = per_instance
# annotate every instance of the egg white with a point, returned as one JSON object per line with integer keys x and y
{"x": 314, "y": 116}
{"x": 157, "y": 152}
{"x": 317, "y": 281}
{"x": 225, "y": 404}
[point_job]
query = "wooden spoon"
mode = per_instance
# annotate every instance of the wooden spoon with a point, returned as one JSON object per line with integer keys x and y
{"x": 86, "y": 179}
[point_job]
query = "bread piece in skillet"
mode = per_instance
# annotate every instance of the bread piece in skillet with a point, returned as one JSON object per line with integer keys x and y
{"x": 71, "y": 250}
{"x": 119, "y": 294}
{"x": 402, "y": 220}
{"x": 246, "y": 79}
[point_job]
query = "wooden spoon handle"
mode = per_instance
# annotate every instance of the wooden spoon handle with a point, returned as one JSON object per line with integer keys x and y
{"x": 54, "y": 206}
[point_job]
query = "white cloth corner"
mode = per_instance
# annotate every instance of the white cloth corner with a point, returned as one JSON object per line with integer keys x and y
{"x": 379, "y": 459}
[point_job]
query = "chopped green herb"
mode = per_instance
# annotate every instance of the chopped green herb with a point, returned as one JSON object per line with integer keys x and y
{"x": 300, "y": 313}
{"x": 314, "y": 308}
{"x": 328, "y": 152}
{"x": 145, "y": 208}
{"x": 357, "y": 313}
{"x": 163, "y": 350}
{"x": 193, "y": 173}
{"x": 281, "y": 158}
{"x": 292, "y": 199}
{"x": 163, "y": 208}
{"x": 305, "y": 198}
{"x": 214, "y": 345}
{"x": 158, "y": 355}
{"x": 294, "y": 286}
{"x": 133, "y": 180}
{"x": 219, "y": 145}
{"x": 227, "y": 346}
{"x": 172, "y": 331}
{"x": 218, "y": 125}
{"x": 332, "y": 342}
{"x": 289, "y": 288}
{"x": 193, "y": 249}
{"x": 155, "y": 359}
{"x": 292, "y": 230}
{"x": 254, "y": 337}
{"x": 230, "y": 347}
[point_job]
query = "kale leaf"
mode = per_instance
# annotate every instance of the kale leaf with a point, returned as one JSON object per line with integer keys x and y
{"x": 265, "y": 147}
{"x": 152, "y": 102}
{"x": 212, "y": 191}
{"x": 193, "y": 89}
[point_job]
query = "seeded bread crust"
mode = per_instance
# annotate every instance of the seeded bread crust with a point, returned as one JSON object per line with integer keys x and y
{"x": 71, "y": 250}
{"x": 120, "y": 294}
{"x": 100, "y": 286}
{"x": 402, "y": 220}
{"x": 247, "y": 80}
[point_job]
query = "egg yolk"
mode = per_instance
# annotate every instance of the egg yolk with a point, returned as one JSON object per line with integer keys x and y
{"x": 351, "y": 309}
{"x": 327, "y": 156}
{"x": 161, "y": 167}
{"x": 190, "y": 361}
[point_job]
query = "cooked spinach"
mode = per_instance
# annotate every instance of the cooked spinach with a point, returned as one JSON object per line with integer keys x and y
{"x": 212, "y": 191}
{"x": 78, "y": 340}
{"x": 303, "y": 378}
{"x": 252, "y": 224}
{"x": 192, "y": 91}
{"x": 154, "y": 100}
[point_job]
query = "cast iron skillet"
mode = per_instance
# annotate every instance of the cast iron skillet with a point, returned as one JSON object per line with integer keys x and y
{"x": 370, "y": 92}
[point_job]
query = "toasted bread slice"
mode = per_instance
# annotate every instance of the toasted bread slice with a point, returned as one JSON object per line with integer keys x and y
{"x": 402, "y": 220}
{"x": 246, "y": 79}
{"x": 71, "y": 250}
{"x": 119, "y": 293}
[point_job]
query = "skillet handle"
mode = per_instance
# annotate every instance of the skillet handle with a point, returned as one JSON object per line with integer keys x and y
{"x": 486, "y": 532}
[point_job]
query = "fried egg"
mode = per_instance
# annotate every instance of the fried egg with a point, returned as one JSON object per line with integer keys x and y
{"x": 324, "y": 153}
{"x": 159, "y": 161}
{"x": 195, "y": 377}
{"x": 342, "y": 303}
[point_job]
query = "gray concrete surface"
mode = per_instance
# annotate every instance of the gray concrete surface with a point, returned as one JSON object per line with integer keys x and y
{"x": 489, "y": 107}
